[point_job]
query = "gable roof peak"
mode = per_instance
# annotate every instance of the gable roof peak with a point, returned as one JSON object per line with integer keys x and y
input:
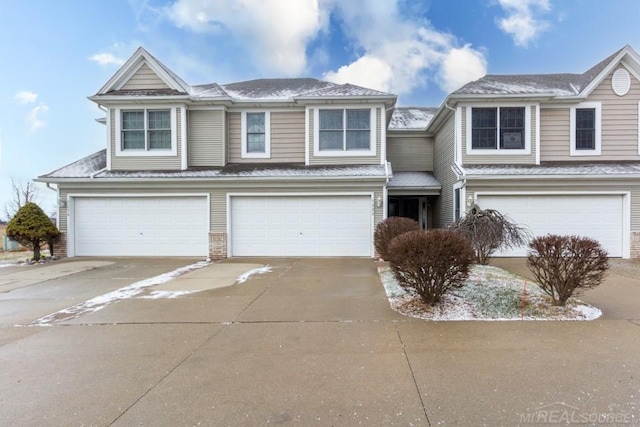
{"x": 140, "y": 57}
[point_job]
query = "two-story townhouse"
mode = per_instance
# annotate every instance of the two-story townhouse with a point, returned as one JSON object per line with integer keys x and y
{"x": 558, "y": 153}
{"x": 272, "y": 167}
{"x": 302, "y": 167}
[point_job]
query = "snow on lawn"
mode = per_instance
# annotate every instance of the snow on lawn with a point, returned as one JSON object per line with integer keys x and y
{"x": 246, "y": 275}
{"x": 130, "y": 291}
{"x": 489, "y": 293}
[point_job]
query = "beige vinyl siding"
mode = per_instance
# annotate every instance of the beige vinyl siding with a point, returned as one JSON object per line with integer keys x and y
{"x": 554, "y": 134}
{"x": 287, "y": 138}
{"x": 492, "y": 159}
{"x": 568, "y": 185}
{"x": 619, "y": 126}
{"x": 206, "y": 138}
{"x": 410, "y": 154}
{"x": 444, "y": 151}
{"x": 145, "y": 78}
{"x": 146, "y": 162}
{"x": 347, "y": 160}
{"x": 62, "y": 211}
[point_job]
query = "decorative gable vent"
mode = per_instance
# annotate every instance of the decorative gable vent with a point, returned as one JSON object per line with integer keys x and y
{"x": 621, "y": 82}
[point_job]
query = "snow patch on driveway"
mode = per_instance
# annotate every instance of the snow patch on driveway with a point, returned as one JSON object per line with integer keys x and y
{"x": 245, "y": 276}
{"x": 99, "y": 302}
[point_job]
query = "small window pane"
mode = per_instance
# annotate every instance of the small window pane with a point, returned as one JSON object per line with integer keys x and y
{"x": 512, "y": 128}
{"x": 585, "y": 129}
{"x": 255, "y": 123}
{"x": 331, "y": 140}
{"x": 133, "y": 140}
{"x": 358, "y": 139}
{"x": 358, "y": 119}
{"x": 132, "y": 120}
{"x": 484, "y": 128}
{"x": 255, "y": 143}
{"x": 159, "y": 120}
{"x": 159, "y": 139}
{"x": 331, "y": 119}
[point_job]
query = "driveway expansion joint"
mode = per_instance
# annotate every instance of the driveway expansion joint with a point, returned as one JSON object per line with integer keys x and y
{"x": 413, "y": 377}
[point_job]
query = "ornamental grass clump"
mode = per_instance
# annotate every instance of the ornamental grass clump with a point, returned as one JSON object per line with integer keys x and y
{"x": 431, "y": 263}
{"x": 565, "y": 265}
{"x": 388, "y": 229}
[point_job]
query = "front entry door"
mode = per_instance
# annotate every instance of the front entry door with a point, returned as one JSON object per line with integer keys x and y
{"x": 409, "y": 207}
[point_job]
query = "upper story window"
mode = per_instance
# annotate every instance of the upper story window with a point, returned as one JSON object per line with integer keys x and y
{"x": 506, "y": 122}
{"x": 498, "y": 130}
{"x": 344, "y": 130}
{"x": 146, "y": 130}
{"x": 585, "y": 121}
{"x": 256, "y": 134}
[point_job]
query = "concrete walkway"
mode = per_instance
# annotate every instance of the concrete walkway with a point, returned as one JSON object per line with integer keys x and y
{"x": 313, "y": 342}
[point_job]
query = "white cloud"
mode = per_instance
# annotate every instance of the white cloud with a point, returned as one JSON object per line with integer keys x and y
{"x": 367, "y": 71}
{"x": 275, "y": 32}
{"x": 395, "y": 52}
{"x": 522, "y": 21}
{"x": 26, "y": 97}
{"x": 106, "y": 58}
{"x": 408, "y": 54}
{"x": 461, "y": 66}
{"x": 34, "y": 117}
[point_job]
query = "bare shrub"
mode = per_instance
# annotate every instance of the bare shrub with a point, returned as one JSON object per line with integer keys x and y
{"x": 431, "y": 262}
{"x": 388, "y": 229}
{"x": 488, "y": 230}
{"x": 564, "y": 265}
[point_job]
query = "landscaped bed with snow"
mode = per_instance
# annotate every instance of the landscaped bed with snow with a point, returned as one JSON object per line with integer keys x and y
{"x": 489, "y": 293}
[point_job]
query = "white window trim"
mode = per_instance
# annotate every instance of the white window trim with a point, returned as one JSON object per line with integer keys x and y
{"x": 373, "y": 130}
{"x": 463, "y": 206}
{"x": 267, "y": 135}
{"x": 572, "y": 130}
{"x": 146, "y": 153}
{"x": 499, "y": 151}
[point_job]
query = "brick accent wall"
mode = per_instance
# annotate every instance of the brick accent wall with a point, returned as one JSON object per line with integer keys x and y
{"x": 635, "y": 244}
{"x": 217, "y": 245}
{"x": 60, "y": 249}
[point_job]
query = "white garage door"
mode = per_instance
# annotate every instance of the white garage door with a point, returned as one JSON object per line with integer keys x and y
{"x": 301, "y": 226}
{"x": 597, "y": 216}
{"x": 140, "y": 226}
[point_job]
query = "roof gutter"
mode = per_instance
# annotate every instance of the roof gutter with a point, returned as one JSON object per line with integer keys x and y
{"x": 564, "y": 176}
{"x": 125, "y": 180}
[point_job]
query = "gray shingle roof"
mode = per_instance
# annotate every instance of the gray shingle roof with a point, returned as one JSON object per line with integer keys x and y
{"x": 95, "y": 163}
{"x": 553, "y": 168}
{"x": 409, "y": 118}
{"x": 294, "y": 87}
{"x": 530, "y": 84}
{"x": 414, "y": 180}
{"x": 82, "y": 168}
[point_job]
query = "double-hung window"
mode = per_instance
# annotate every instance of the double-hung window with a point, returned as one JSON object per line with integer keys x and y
{"x": 498, "y": 128}
{"x": 344, "y": 130}
{"x": 256, "y": 130}
{"x": 585, "y": 122}
{"x": 585, "y": 128}
{"x": 146, "y": 130}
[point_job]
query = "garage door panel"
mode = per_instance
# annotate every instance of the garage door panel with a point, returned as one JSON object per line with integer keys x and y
{"x": 598, "y": 216}
{"x": 301, "y": 226}
{"x": 139, "y": 226}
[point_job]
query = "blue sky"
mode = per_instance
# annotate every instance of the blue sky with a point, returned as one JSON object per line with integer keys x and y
{"x": 53, "y": 54}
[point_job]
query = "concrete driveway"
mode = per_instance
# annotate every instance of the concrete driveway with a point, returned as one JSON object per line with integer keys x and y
{"x": 313, "y": 342}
